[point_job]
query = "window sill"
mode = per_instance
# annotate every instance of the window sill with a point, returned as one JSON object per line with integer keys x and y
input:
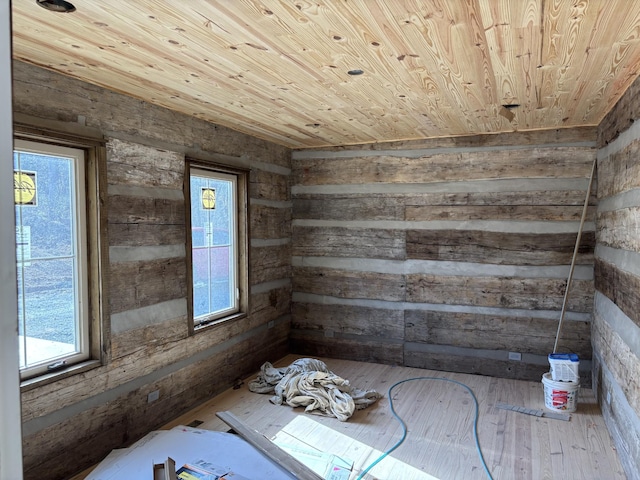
{"x": 214, "y": 323}
{"x": 52, "y": 377}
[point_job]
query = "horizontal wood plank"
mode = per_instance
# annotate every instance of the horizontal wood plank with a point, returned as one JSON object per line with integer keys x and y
{"x": 623, "y": 364}
{"x": 498, "y": 247}
{"x": 141, "y": 234}
{"x": 475, "y": 365}
{"x": 134, "y": 164}
{"x": 356, "y": 207}
{"x": 506, "y": 292}
{"x": 349, "y": 284}
{"x": 502, "y": 198}
{"x": 41, "y": 458}
{"x": 492, "y": 332}
{"x": 500, "y": 212}
{"x": 269, "y": 186}
{"x": 620, "y": 171}
{"x": 348, "y": 319}
{"x": 622, "y": 422}
{"x": 144, "y": 210}
{"x": 150, "y": 335}
{"x": 139, "y": 284}
{"x": 385, "y": 206}
{"x": 381, "y": 351}
{"x": 348, "y": 242}
{"x": 558, "y": 162}
{"x": 269, "y": 222}
{"x": 621, "y": 287}
{"x": 620, "y": 228}
{"x": 272, "y": 304}
{"x": 270, "y": 263}
{"x": 530, "y": 137}
{"x": 621, "y": 116}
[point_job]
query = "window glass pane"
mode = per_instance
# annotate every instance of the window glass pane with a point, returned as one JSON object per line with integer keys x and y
{"x": 51, "y": 290}
{"x": 213, "y": 224}
{"x": 49, "y": 213}
{"x": 48, "y": 321}
{"x": 221, "y": 279}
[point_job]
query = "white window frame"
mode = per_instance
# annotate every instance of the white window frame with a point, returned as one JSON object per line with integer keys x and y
{"x": 79, "y": 254}
{"x": 239, "y": 238}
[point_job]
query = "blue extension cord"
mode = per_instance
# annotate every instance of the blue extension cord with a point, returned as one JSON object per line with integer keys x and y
{"x": 404, "y": 427}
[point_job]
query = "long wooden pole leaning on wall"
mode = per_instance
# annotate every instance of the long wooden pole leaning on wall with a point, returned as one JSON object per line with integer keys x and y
{"x": 269, "y": 449}
{"x": 575, "y": 254}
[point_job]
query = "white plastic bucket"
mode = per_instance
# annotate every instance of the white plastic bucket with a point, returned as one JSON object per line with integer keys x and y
{"x": 564, "y": 367}
{"x": 560, "y": 396}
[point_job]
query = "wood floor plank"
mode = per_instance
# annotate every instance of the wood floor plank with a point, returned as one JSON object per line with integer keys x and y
{"x": 439, "y": 416}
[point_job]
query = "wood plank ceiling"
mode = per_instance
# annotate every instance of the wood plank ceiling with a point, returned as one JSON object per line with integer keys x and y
{"x": 278, "y": 69}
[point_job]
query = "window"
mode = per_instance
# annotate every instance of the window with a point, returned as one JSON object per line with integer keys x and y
{"x": 217, "y": 211}
{"x": 57, "y": 320}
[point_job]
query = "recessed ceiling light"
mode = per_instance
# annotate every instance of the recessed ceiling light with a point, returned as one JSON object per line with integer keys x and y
{"x": 355, "y": 72}
{"x": 57, "y": 6}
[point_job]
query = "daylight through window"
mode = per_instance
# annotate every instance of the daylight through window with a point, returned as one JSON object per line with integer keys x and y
{"x": 214, "y": 245}
{"x": 51, "y": 243}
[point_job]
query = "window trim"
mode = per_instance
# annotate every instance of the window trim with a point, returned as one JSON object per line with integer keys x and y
{"x": 242, "y": 241}
{"x": 97, "y": 253}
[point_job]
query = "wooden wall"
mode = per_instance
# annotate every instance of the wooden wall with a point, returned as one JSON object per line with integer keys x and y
{"x": 449, "y": 254}
{"x": 616, "y": 325}
{"x": 74, "y": 422}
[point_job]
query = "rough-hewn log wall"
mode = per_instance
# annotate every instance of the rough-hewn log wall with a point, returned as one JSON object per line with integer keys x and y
{"x": 74, "y": 422}
{"x": 616, "y": 325}
{"x": 449, "y": 253}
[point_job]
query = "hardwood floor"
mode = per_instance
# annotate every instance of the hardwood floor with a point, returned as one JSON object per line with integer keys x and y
{"x": 439, "y": 416}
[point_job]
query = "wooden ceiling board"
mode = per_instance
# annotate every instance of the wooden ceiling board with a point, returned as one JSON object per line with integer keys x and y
{"x": 512, "y": 32}
{"x": 277, "y": 69}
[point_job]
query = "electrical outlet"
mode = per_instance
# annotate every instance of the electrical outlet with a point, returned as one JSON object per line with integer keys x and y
{"x": 515, "y": 356}
{"x": 153, "y": 396}
{"x": 271, "y": 324}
